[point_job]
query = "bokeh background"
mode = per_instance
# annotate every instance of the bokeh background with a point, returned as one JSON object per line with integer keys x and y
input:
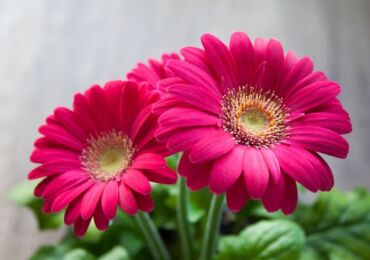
{"x": 51, "y": 49}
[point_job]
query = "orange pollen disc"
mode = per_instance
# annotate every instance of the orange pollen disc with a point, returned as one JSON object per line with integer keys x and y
{"x": 107, "y": 155}
{"x": 254, "y": 117}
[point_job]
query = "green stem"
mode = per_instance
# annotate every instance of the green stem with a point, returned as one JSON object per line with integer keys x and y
{"x": 152, "y": 236}
{"x": 211, "y": 232}
{"x": 182, "y": 220}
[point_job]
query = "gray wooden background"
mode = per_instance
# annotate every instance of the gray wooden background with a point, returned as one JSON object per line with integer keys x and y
{"x": 51, "y": 49}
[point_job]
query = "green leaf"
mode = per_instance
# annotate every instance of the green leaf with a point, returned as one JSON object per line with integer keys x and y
{"x": 273, "y": 239}
{"x": 22, "y": 194}
{"x": 117, "y": 253}
{"x": 79, "y": 254}
{"x": 337, "y": 226}
{"x": 172, "y": 161}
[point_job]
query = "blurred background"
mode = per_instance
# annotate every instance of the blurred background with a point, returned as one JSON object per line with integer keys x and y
{"x": 51, "y": 49}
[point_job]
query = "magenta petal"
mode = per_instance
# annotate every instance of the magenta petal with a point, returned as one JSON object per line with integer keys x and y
{"x": 127, "y": 200}
{"x": 290, "y": 195}
{"x": 144, "y": 202}
{"x": 109, "y": 199}
{"x": 49, "y": 154}
{"x": 221, "y": 60}
{"x": 183, "y": 117}
{"x": 334, "y": 121}
{"x": 293, "y": 160}
{"x": 66, "y": 197}
{"x": 100, "y": 219}
{"x": 185, "y": 139}
{"x": 274, "y": 58}
{"x": 91, "y": 200}
{"x": 272, "y": 164}
{"x": 163, "y": 175}
{"x": 226, "y": 170}
{"x": 197, "y": 57}
{"x": 313, "y": 96}
{"x": 148, "y": 160}
{"x": 273, "y": 198}
{"x": 137, "y": 181}
{"x": 241, "y": 49}
{"x": 319, "y": 139}
{"x": 237, "y": 196}
{"x": 81, "y": 226}
{"x": 140, "y": 119}
{"x": 256, "y": 173}
{"x": 211, "y": 147}
{"x": 61, "y": 136}
{"x": 61, "y": 165}
{"x": 198, "y": 97}
{"x": 194, "y": 76}
{"x": 73, "y": 211}
{"x": 70, "y": 122}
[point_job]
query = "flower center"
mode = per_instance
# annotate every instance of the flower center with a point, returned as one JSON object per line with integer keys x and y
{"x": 254, "y": 117}
{"x": 107, "y": 155}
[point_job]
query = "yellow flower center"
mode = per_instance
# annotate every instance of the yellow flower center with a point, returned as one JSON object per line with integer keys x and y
{"x": 107, "y": 155}
{"x": 255, "y": 118}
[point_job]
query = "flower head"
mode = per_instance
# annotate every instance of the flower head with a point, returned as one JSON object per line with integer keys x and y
{"x": 252, "y": 121}
{"x": 100, "y": 155}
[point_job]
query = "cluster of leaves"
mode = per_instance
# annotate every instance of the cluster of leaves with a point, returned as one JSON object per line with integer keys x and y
{"x": 335, "y": 226}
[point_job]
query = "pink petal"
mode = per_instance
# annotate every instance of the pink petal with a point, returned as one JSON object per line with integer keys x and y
{"x": 256, "y": 173}
{"x": 42, "y": 185}
{"x": 129, "y": 105}
{"x": 182, "y": 117}
{"x": 73, "y": 211}
{"x": 61, "y": 165}
{"x": 319, "y": 139}
{"x": 198, "y": 181}
{"x": 82, "y": 109}
{"x": 39, "y": 173}
{"x": 197, "y": 57}
{"x": 81, "y": 226}
{"x": 226, "y": 170}
{"x": 185, "y": 139}
{"x": 70, "y": 122}
{"x": 211, "y": 147}
{"x": 148, "y": 161}
{"x": 61, "y": 136}
{"x": 289, "y": 61}
{"x": 274, "y": 196}
{"x": 109, "y": 199}
{"x": 163, "y": 175}
{"x": 221, "y": 59}
{"x": 335, "y": 122}
{"x": 144, "y": 202}
{"x": 137, "y": 181}
{"x": 290, "y": 195}
{"x": 91, "y": 200}
{"x": 241, "y": 49}
{"x": 272, "y": 164}
{"x": 313, "y": 96}
{"x": 198, "y": 97}
{"x": 193, "y": 75}
{"x": 49, "y": 154}
{"x": 100, "y": 219}
{"x": 66, "y": 197}
{"x": 300, "y": 70}
{"x": 99, "y": 107}
{"x": 293, "y": 160}
{"x": 127, "y": 200}
{"x": 274, "y": 58}
{"x": 137, "y": 125}
{"x": 237, "y": 196}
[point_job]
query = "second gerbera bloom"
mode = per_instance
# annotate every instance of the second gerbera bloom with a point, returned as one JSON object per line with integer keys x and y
{"x": 101, "y": 155}
{"x": 251, "y": 121}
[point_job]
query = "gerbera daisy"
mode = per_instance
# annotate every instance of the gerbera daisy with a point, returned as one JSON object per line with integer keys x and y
{"x": 153, "y": 72}
{"x": 100, "y": 155}
{"x": 251, "y": 121}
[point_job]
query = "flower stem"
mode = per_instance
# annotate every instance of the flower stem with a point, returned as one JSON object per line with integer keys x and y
{"x": 152, "y": 236}
{"x": 182, "y": 220}
{"x": 211, "y": 232}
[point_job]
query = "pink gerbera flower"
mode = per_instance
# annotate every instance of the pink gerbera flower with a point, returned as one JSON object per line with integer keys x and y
{"x": 251, "y": 121}
{"x": 153, "y": 72}
{"x": 100, "y": 155}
